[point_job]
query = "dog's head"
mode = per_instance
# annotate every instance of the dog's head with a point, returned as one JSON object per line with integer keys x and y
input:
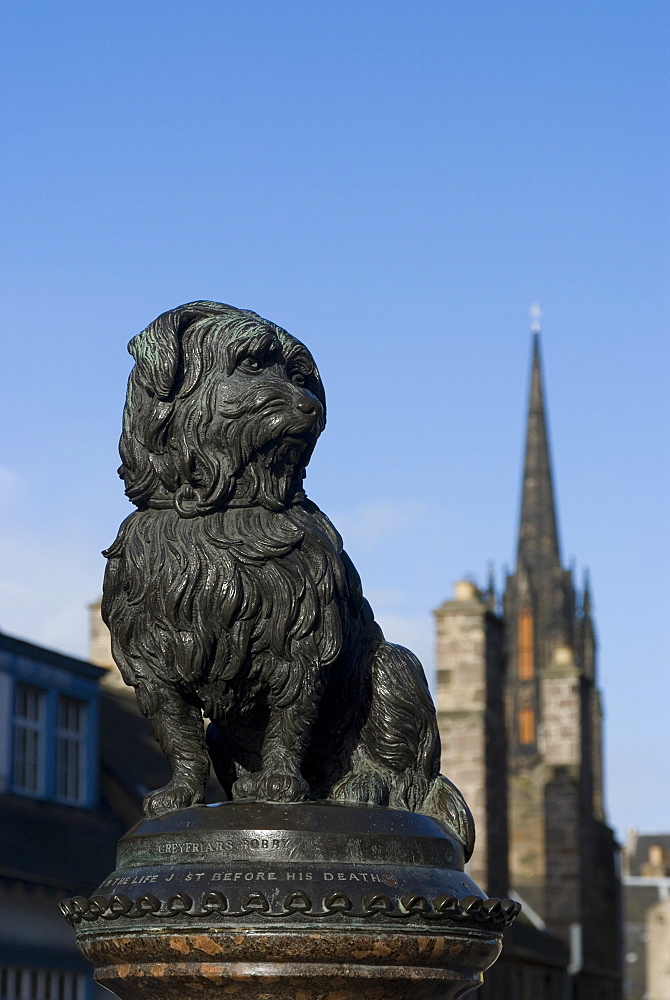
{"x": 223, "y": 408}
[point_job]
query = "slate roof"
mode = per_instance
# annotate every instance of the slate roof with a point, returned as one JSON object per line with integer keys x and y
{"x": 641, "y": 854}
{"x": 524, "y": 941}
{"x": 20, "y": 647}
{"x": 55, "y": 845}
{"x": 128, "y": 752}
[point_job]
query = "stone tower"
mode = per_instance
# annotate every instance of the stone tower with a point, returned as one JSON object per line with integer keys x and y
{"x": 521, "y": 719}
{"x": 562, "y": 854}
{"x": 470, "y": 706}
{"x": 100, "y": 647}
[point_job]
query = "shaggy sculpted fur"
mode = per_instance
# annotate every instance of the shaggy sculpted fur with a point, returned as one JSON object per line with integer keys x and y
{"x": 228, "y": 593}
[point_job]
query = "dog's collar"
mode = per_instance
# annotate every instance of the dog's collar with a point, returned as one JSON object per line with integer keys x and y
{"x": 165, "y": 503}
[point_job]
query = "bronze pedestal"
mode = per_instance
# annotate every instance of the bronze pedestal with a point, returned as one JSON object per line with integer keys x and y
{"x": 311, "y": 901}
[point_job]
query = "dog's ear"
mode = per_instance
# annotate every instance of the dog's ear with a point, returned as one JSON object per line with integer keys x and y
{"x": 168, "y": 364}
{"x": 147, "y": 469}
{"x": 156, "y": 351}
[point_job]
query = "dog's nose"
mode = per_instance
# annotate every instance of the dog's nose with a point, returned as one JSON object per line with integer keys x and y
{"x": 310, "y": 406}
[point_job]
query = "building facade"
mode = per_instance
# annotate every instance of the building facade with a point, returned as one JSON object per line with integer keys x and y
{"x": 68, "y": 791}
{"x": 521, "y": 721}
{"x": 50, "y": 828}
{"x": 646, "y": 881}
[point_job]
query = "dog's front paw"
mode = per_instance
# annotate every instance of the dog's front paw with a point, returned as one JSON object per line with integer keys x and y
{"x": 246, "y": 788}
{"x": 271, "y": 786}
{"x": 177, "y": 794}
{"x": 277, "y": 786}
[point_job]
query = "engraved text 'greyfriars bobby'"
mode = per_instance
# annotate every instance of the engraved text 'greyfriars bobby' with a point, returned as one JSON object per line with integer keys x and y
{"x": 228, "y": 593}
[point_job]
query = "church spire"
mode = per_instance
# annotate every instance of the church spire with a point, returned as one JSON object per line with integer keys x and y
{"x": 538, "y": 548}
{"x": 586, "y": 599}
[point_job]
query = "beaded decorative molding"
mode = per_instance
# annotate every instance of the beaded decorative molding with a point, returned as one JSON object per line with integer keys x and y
{"x": 499, "y": 912}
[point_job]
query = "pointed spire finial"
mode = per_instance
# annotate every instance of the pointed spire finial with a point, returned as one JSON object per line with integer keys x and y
{"x": 535, "y": 317}
{"x": 538, "y": 535}
{"x": 491, "y": 587}
{"x": 586, "y": 600}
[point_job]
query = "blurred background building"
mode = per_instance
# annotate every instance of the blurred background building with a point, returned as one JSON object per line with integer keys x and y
{"x": 72, "y": 749}
{"x": 521, "y": 722}
{"x": 646, "y": 882}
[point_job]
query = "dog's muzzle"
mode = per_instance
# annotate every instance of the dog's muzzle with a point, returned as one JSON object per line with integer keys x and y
{"x": 310, "y": 407}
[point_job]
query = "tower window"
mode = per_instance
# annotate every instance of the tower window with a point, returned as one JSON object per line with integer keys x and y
{"x": 526, "y": 666}
{"x": 29, "y": 724}
{"x": 71, "y": 750}
{"x": 526, "y": 725}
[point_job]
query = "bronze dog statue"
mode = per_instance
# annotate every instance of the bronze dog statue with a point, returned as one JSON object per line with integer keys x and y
{"x": 228, "y": 593}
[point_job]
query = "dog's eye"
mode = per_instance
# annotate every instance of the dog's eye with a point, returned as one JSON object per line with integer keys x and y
{"x": 251, "y": 364}
{"x": 298, "y": 378}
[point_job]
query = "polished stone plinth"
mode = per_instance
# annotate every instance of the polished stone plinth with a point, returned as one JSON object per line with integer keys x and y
{"x": 309, "y": 902}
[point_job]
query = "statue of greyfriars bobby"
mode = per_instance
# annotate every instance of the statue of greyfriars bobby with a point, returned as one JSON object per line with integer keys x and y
{"x": 335, "y": 867}
{"x": 228, "y": 592}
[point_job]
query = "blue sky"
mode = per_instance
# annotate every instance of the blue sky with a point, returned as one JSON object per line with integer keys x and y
{"x": 395, "y": 184}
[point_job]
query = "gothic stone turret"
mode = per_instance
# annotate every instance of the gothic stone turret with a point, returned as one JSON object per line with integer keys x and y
{"x": 561, "y": 852}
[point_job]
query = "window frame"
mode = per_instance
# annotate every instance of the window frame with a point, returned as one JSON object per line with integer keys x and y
{"x": 78, "y": 739}
{"x": 38, "y": 727}
{"x": 527, "y": 732}
{"x": 525, "y": 644}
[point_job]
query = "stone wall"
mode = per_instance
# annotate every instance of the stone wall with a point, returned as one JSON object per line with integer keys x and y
{"x": 563, "y": 838}
{"x": 527, "y": 854}
{"x": 470, "y": 677}
{"x": 658, "y": 951}
{"x": 560, "y": 735}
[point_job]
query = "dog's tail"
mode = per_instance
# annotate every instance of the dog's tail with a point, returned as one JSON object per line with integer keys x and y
{"x": 401, "y": 731}
{"x": 398, "y": 752}
{"x": 397, "y": 759}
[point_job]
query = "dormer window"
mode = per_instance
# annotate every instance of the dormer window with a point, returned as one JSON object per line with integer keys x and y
{"x": 48, "y": 724}
{"x": 29, "y": 739}
{"x": 71, "y": 750}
